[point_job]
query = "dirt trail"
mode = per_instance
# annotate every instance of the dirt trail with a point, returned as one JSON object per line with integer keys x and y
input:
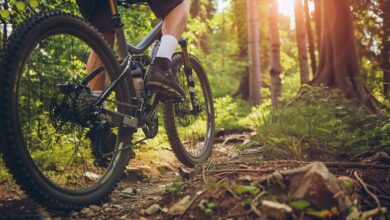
{"x": 143, "y": 192}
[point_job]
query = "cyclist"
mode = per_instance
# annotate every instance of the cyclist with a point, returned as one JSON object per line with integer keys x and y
{"x": 160, "y": 77}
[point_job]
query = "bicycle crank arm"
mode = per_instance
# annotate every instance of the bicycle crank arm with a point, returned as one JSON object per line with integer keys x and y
{"x": 116, "y": 119}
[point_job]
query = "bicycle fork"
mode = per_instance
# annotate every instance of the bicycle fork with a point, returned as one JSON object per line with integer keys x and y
{"x": 188, "y": 72}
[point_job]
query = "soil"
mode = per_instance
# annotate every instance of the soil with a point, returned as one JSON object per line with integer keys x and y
{"x": 150, "y": 195}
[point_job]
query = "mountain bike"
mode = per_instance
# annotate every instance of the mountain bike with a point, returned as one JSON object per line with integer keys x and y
{"x": 68, "y": 148}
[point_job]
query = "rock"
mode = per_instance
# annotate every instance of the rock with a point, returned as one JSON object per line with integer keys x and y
{"x": 94, "y": 208}
{"x": 166, "y": 167}
{"x": 107, "y": 209}
{"x": 179, "y": 207}
{"x": 116, "y": 206}
{"x": 153, "y": 209}
{"x": 245, "y": 178}
{"x": 137, "y": 173}
{"x": 143, "y": 218}
{"x": 275, "y": 210}
{"x": 164, "y": 210}
{"x": 128, "y": 191}
{"x": 91, "y": 176}
{"x": 316, "y": 184}
{"x": 250, "y": 151}
{"x": 186, "y": 174}
{"x": 86, "y": 212}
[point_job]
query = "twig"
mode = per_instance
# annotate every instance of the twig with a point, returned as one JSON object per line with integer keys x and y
{"x": 255, "y": 210}
{"x": 203, "y": 176}
{"x": 367, "y": 190}
{"x": 234, "y": 195}
{"x": 243, "y": 170}
{"x": 197, "y": 197}
{"x": 258, "y": 196}
{"x": 193, "y": 201}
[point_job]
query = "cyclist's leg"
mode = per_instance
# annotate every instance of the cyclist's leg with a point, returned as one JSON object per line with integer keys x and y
{"x": 98, "y": 14}
{"x": 97, "y": 84}
{"x": 175, "y": 21}
{"x": 175, "y": 15}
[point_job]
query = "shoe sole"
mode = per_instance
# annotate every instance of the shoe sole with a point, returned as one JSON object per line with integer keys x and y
{"x": 163, "y": 89}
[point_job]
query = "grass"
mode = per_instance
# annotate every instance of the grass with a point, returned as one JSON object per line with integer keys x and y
{"x": 320, "y": 117}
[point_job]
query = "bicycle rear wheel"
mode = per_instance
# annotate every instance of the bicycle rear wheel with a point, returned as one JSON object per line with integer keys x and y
{"x": 45, "y": 137}
{"x": 190, "y": 128}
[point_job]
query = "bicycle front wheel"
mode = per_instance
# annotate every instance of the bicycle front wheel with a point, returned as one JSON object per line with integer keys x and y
{"x": 190, "y": 124}
{"x": 47, "y": 146}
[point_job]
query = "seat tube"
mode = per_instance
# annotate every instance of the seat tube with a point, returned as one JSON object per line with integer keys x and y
{"x": 118, "y": 28}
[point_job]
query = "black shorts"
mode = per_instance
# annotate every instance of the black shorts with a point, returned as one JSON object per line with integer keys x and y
{"x": 97, "y": 12}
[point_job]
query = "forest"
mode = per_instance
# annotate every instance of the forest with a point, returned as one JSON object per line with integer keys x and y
{"x": 302, "y": 115}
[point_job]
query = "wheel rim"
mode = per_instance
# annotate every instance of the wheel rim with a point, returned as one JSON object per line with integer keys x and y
{"x": 63, "y": 156}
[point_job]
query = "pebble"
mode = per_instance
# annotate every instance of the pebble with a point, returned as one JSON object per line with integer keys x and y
{"x": 117, "y": 206}
{"x": 94, "y": 208}
{"x": 107, "y": 209}
{"x": 86, "y": 211}
{"x": 128, "y": 191}
{"x": 153, "y": 209}
{"x": 91, "y": 176}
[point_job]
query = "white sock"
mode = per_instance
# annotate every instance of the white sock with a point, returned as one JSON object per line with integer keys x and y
{"x": 168, "y": 46}
{"x": 96, "y": 93}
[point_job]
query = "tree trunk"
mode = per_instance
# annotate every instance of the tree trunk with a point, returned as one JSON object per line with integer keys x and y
{"x": 317, "y": 19}
{"x": 386, "y": 46}
{"x": 302, "y": 42}
{"x": 338, "y": 66}
{"x": 313, "y": 60}
{"x": 239, "y": 9}
{"x": 253, "y": 53}
{"x": 274, "y": 40}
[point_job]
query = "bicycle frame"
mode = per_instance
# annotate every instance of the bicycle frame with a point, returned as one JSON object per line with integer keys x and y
{"x": 126, "y": 50}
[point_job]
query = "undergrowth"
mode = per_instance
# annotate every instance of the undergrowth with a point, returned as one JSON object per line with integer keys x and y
{"x": 320, "y": 117}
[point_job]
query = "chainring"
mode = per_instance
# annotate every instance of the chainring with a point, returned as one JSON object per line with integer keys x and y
{"x": 150, "y": 128}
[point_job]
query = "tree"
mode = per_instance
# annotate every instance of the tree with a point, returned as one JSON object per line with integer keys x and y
{"x": 253, "y": 53}
{"x": 240, "y": 22}
{"x": 301, "y": 41}
{"x": 317, "y": 19}
{"x": 386, "y": 46}
{"x": 203, "y": 10}
{"x": 310, "y": 37}
{"x": 338, "y": 65}
{"x": 274, "y": 39}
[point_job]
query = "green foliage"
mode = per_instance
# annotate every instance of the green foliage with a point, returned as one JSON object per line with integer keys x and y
{"x": 299, "y": 204}
{"x": 231, "y": 114}
{"x": 242, "y": 189}
{"x": 177, "y": 187}
{"x": 322, "y": 117}
{"x": 207, "y": 207}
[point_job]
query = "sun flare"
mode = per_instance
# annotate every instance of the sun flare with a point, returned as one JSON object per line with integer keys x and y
{"x": 286, "y": 7}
